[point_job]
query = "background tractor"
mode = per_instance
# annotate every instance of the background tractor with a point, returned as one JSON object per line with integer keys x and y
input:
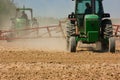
{"x": 89, "y": 24}
{"x": 23, "y": 20}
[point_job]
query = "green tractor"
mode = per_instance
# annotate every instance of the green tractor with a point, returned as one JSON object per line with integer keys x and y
{"x": 22, "y": 21}
{"x": 90, "y": 25}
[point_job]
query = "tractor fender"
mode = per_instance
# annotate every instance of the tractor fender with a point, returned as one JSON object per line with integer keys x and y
{"x": 106, "y": 20}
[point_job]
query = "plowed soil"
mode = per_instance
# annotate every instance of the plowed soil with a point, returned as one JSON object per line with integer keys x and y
{"x": 24, "y": 61}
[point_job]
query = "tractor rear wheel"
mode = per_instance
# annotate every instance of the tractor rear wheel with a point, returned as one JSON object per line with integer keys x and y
{"x": 67, "y": 43}
{"x": 107, "y": 34}
{"x": 107, "y": 29}
{"x": 72, "y": 44}
{"x": 70, "y": 30}
{"x": 112, "y": 44}
{"x": 67, "y": 35}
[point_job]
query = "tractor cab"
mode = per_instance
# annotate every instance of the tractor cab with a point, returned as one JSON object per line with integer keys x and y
{"x": 26, "y": 13}
{"x": 87, "y": 7}
{"x": 22, "y": 18}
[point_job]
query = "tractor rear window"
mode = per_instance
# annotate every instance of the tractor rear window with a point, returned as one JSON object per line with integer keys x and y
{"x": 96, "y": 7}
{"x": 81, "y": 7}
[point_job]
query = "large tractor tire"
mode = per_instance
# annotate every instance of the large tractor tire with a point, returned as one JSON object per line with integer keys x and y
{"x": 112, "y": 45}
{"x": 70, "y": 30}
{"x": 67, "y": 35}
{"x": 107, "y": 29}
{"x": 108, "y": 42}
{"x": 72, "y": 44}
{"x": 67, "y": 43}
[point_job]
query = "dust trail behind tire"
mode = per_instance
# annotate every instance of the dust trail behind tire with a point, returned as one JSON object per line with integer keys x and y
{"x": 44, "y": 44}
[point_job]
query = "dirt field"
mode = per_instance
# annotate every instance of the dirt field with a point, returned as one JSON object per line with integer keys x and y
{"x": 28, "y": 60}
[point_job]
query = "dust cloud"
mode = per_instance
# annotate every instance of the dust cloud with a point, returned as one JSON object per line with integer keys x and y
{"x": 42, "y": 41}
{"x": 7, "y": 10}
{"x": 45, "y": 44}
{"x": 116, "y": 21}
